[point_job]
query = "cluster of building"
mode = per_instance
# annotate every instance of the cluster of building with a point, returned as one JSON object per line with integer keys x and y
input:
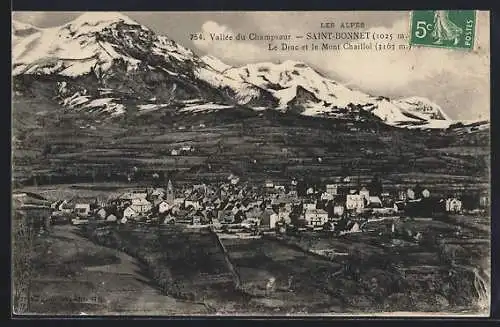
{"x": 266, "y": 206}
{"x": 182, "y": 150}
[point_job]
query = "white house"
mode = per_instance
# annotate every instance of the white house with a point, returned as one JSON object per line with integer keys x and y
{"x": 453, "y": 205}
{"x": 375, "y": 202}
{"x": 355, "y": 228}
{"x": 129, "y": 212}
{"x": 273, "y": 219}
{"x": 402, "y": 196}
{"x": 316, "y": 217}
{"x": 269, "y": 184}
{"x": 338, "y": 210}
{"x": 141, "y": 205}
{"x": 326, "y": 196}
{"x": 82, "y": 209}
{"x": 484, "y": 200}
{"x": 426, "y": 193}
{"x": 310, "y": 206}
{"x": 332, "y": 189}
{"x": 64, "y": 207}
{"x": 101, "y": 213}
{"x": 279, "y": 188}
{"x": 163, "y": 207}
{"x": 355, "y": 202}
{"x": 410, "y": 194}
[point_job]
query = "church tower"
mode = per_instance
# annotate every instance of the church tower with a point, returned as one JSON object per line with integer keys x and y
{"x": 170, "y": 193}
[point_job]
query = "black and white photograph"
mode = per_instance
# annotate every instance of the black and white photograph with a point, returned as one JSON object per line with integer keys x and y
{"x": 244, "y": 163}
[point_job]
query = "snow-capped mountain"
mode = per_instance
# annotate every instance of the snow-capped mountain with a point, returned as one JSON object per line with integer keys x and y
{"x": 109, "y": 64}
{"x": 284, "y": 78}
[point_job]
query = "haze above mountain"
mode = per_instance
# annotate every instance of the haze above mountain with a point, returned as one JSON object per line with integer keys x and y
{"x": 109, "y": 65}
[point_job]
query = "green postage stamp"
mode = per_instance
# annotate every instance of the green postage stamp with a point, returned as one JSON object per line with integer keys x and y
{"x": 443, "y": 28}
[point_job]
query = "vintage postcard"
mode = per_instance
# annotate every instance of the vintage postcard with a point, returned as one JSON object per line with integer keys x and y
{"x": 251, "y": 163}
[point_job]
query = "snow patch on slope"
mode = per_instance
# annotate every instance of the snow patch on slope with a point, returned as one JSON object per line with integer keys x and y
{"x": 244, "y": 92}
{"x": 151, "y": 107}
{"x": 433, "y": 124}
{"x": 390, "y": 113}
{"x": 205, "y": 107}
{"x": 422, "y": 108}
{"x": 107, "y": 105}
{"x": 215, "y": 63}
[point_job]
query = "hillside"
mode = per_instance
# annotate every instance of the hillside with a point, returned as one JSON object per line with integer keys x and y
{"x": 70, "y": 148}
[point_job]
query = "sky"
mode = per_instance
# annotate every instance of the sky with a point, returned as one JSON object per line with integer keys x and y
{"x": 457, "y": 80}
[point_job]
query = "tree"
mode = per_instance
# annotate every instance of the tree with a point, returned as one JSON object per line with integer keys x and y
{"x": 22, "y": 247}
{"x": 418, "y": 190}
{"x": 295, "y": 214}
{"x": 375, "y": 185}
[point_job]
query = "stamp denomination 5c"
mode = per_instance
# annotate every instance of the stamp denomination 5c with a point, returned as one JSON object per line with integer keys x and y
{"x": 443, "y": 28}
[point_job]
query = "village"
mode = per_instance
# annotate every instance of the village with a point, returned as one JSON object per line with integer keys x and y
{"x": 233, "y": 204}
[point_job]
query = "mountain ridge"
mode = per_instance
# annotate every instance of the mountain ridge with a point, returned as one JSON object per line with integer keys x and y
{"x": 121, "y": 56}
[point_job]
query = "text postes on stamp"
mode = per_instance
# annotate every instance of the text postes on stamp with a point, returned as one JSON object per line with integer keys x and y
{"x": 443, "y": 28}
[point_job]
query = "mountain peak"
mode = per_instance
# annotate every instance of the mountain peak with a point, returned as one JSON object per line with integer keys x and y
{"x": 97, "y": 18}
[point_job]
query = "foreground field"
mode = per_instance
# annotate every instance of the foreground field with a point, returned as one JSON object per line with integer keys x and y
{"x": 185, "y": 263}
{"x": 372, "y": 272}
{"x": 446, "y": 268}
{"x": 72, "y": 276}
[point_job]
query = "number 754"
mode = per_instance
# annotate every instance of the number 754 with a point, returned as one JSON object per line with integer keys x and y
{"x": 422, "y": 28}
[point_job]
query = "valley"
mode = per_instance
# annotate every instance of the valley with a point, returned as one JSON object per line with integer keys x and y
{"x": 294, "y": 193}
